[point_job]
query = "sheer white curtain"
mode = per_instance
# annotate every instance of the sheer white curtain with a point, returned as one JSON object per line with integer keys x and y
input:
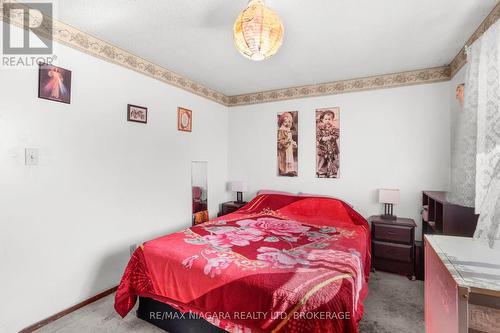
{"x": 485, "y": 68}
{"x": 475, "y": 172}
{"x": 464, "y": 138}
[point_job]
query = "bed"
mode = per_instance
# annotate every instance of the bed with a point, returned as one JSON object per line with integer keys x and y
{"x": 282, "y": 263}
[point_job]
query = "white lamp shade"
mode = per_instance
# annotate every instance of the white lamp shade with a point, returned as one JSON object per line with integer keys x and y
{"x": 388, "y": 196}
{"x": 238, "y": 186}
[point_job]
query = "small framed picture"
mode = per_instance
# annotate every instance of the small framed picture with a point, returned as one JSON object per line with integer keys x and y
{"x": 54, "y": 83}
{"x": 136, "y": 113}
{"x": 459, "y": 93}
{"x": 184, "y": 119}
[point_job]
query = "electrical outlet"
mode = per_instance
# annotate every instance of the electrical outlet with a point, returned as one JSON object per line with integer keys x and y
{"x": 31, "y": 156}
{"x": 132, "y": 248}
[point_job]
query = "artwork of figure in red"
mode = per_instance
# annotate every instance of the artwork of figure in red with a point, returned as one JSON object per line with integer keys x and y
{"x": 327, "y": 143}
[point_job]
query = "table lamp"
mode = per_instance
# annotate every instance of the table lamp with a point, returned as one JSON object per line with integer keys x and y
{"x": 239, "y": 187}
{"x": 388, "y": 197}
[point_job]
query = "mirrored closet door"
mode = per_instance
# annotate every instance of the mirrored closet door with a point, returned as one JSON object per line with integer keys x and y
{"x": 199, "y": 189}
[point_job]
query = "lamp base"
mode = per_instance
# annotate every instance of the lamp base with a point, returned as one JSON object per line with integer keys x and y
{"x": 239, "y": 197}
{"x": 388, "y": 209}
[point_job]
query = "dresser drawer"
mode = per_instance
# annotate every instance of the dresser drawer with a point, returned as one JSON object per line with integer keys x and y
{"x": 229, "y": 209}
{"x": 391, "y": 251}
{"x": 393, "y": 233}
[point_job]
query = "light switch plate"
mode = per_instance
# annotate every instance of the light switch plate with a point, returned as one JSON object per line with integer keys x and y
{"x": 31, "y": 156}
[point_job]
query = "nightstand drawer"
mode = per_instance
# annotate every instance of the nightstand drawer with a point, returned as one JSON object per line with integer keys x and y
{"x": 230, "y": 207}
{"x": 392, "y": 233}
{"x": 398, "y": 267}
{"x": 397, "y": 252}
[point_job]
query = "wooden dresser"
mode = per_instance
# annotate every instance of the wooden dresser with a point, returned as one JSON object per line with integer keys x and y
{"x": 462, "y": 285}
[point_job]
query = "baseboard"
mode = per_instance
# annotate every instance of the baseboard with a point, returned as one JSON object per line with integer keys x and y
{"x": 61, "y": 314}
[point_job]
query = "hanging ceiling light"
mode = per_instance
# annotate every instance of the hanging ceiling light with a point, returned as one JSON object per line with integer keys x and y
{"x": 258, "y": 31}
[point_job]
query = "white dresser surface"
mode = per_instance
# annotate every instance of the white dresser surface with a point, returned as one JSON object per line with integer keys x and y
{"x": 471, "y": 263}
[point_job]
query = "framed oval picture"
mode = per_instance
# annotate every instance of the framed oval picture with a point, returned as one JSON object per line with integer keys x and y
{"x": 184, "y": 119}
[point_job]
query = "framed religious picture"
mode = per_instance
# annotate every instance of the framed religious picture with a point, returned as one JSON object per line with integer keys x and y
{"x": 459, "y": 93}
{"x": 138, "y": 114}
{"x": 327, "y": 142}
{"x": 287, "y": 143}
{"x": 184, "y": 119}
{"x": 54, "y": 83}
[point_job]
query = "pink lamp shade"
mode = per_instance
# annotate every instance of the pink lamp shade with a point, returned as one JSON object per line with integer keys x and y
{"x": 388, "y": 196}
{"x": 239, "y": 186}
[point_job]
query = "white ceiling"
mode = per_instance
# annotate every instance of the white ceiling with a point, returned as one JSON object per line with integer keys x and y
{"x": 325, "y": 40}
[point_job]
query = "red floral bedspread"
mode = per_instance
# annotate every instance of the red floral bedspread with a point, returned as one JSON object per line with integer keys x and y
{"x": 281, "y": 263}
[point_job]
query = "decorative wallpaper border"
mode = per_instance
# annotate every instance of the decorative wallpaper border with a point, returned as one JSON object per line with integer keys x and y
{"x": 428, "y": 75}
{"x": 461, "y": 58}
{"x": 84, "y": 42}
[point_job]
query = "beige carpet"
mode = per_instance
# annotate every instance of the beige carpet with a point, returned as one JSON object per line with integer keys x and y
{"x": 394, "y": 304}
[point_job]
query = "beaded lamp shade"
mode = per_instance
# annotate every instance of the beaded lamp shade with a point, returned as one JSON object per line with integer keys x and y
{"x": 258, "y": 31}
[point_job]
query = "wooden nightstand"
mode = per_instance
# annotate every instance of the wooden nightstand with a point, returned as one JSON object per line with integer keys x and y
{"x": 393, "y": 245}
{"x": 230, "y": 207}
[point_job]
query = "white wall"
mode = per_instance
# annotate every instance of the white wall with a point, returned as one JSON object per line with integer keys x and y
{"x": 392, "y": 138}
{"x": 102, "y": 183}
